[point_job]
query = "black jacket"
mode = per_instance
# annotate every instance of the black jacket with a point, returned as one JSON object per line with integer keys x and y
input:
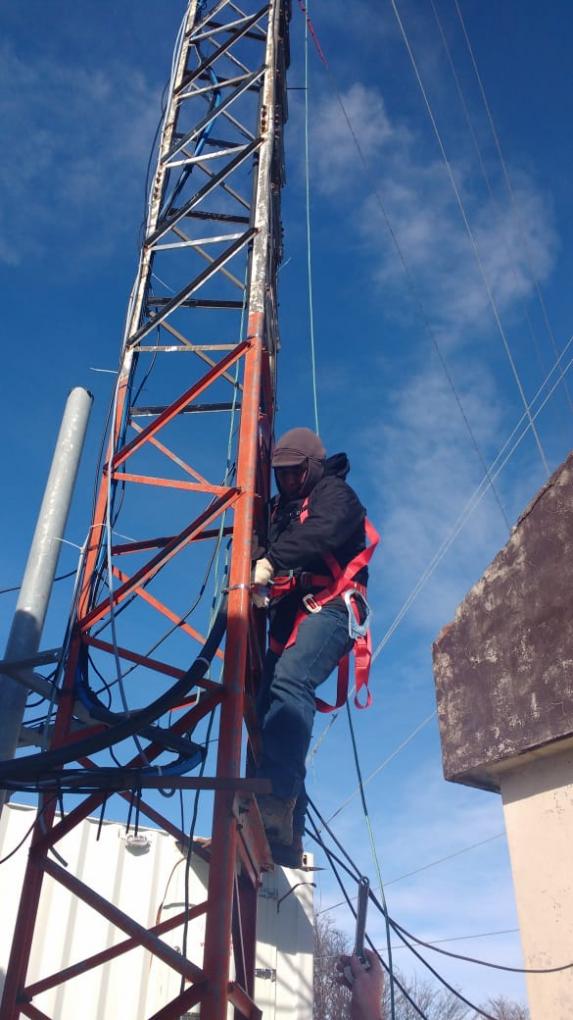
{"x": 334, "y": 524}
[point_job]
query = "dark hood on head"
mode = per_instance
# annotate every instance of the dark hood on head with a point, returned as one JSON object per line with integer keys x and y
{"x": 338, "y": 465}
{"x": 314, "y": 472}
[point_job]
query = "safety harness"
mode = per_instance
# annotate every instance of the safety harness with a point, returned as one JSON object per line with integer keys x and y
{"x": 340, "y": 583}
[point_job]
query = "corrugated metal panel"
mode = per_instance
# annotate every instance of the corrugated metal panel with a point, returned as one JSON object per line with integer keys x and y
{"x": 147, "y": 880}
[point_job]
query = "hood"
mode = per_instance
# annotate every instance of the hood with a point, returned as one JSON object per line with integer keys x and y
{"x": 338, "y": 465}
{"x": 300, "y": 446}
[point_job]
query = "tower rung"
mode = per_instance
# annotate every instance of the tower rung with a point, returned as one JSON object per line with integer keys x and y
{"x": 147, "y": 412}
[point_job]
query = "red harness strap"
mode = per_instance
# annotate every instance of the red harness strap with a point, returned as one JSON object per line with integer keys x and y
{"x": 341, "y": 582}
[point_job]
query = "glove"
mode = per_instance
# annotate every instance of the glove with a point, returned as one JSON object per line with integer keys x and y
{"x": 263, "y": 572}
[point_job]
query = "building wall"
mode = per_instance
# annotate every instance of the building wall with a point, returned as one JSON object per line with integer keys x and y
{"x": 538, "y": 808}
{"x": 146, "y": 879}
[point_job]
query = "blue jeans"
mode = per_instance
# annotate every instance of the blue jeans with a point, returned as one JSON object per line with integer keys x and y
{"x": 286, "y": 703}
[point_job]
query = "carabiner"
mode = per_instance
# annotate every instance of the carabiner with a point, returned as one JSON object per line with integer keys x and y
{"x": 355, "y": 628}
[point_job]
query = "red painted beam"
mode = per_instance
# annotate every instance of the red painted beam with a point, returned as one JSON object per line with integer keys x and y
{"x": 122, "y": 920}
{"x": 91, "y": 962}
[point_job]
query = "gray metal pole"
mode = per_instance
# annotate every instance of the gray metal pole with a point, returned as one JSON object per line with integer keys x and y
{"x": 32, "y": 605}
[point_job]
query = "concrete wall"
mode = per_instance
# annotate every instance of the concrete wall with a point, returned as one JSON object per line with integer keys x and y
{"x": 504, "y": 667}
{"x": 538, "y": 806}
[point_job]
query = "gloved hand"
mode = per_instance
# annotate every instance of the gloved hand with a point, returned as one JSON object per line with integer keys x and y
{"x": 263, "y": 571}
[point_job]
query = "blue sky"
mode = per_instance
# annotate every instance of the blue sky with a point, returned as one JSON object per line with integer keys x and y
{"x": 80, "y": 88}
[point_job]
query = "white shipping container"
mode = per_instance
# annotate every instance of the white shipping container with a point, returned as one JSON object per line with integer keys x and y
{"x": 145, "y": 877}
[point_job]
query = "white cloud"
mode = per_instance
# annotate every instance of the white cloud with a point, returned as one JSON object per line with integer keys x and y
{"x": 74, "y": 154}
{"x": 516, "y": 242}
{"x": 425, "y": 472}
{"x": 333, "y": 146}
{"x": 426, "y": 464}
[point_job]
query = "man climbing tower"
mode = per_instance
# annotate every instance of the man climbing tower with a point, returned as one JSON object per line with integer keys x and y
{"x": 313, "y": 579}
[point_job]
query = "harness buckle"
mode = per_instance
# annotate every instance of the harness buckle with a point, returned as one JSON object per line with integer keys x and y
{"x": 355, "y": 628}
{"x": 310, "y": 604}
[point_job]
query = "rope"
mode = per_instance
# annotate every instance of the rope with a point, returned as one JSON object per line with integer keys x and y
{"x": 308, "y": 231}
{"x": 470, "y": 234}
{"x": 374, "y": 855}
{"x": 386, "y": 762}
{"x": 331, "y": 858}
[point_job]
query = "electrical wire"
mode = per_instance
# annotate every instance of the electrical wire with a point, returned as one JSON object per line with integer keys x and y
{"x": 404, "y": 934}
{"x": 495, "y": 202}
{"x": 373, "y": 851}
{"x": 190, "y": 848}
{"x": 331, "y": 857}
{"x": 513, "y": 200}
{"x": 456, "y": 938}
{"x": 466, "y": 938}
{"x": 423, "y": 867}
{"x": 17, "y": 587}
{"x": 470, "y": 506}
{"x": 32, "y": 766}
{"x": 408, "y": 275}
{"x": 28, "y": 832}
{"x": 472, "y": 503}
{"x": 414, "y": 733}
{"x": 469, "y": 231}
{"x": 482, "y": 963}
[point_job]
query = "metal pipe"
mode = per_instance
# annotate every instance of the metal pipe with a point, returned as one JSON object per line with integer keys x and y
{"x": 31, "y": 607}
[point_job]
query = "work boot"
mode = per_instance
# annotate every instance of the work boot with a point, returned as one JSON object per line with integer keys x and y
{"x": 288, "y": 856}
{"x": 277, "y": 817}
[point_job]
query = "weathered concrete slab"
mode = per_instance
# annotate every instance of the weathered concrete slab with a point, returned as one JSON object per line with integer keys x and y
{"x": 504, "y": 668}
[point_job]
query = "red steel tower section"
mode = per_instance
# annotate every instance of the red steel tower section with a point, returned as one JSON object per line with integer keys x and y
{"x": 186, "y": 475}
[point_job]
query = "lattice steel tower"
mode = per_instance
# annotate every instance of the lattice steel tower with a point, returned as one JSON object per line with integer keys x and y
{"x": 185, "y": 475}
